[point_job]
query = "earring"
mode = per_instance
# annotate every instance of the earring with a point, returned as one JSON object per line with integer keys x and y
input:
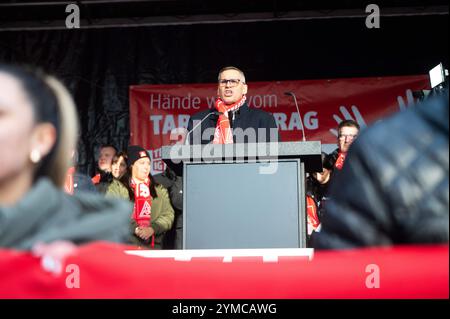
{"x": 35, "y": 156}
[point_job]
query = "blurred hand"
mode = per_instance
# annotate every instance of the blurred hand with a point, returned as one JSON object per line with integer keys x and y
{"x": 409, "y": 100}
{"x": 144, "y": 232}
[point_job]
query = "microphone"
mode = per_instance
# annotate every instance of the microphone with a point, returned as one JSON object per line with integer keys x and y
{"x": 298, "y": 111}
{"x": 187, "y": 142}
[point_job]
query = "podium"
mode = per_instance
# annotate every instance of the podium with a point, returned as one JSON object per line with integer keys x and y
{"x": 244, "y": 195}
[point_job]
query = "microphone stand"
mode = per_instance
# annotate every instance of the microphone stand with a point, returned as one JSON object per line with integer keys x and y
{"x": 187, "y": 141}
{"x": 298, "y": 111}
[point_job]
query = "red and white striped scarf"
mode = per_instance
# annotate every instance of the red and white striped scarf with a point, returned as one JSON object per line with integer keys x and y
{"x": 340, "y": 160}
{"x": 223, "y": 133}
{"x": 142, "y": 211}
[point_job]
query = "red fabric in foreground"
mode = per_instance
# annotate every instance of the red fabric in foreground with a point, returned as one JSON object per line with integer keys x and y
{"x": 106, "y": 272}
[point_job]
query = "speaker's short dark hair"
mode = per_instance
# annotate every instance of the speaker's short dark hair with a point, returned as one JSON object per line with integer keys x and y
{"x": 348, "y": 123}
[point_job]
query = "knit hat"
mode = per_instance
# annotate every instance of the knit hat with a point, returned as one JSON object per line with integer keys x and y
{"x": 134, "y": 153}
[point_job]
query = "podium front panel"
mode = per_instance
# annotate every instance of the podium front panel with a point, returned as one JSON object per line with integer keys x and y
{"x": 234, "y": 205}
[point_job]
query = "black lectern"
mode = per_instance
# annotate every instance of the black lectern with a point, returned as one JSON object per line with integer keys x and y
{"x": 244, "y": 195}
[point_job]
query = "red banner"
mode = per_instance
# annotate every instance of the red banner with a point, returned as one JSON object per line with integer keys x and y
{"x": 156, "y": 110}
{"x": 101, "y": 270}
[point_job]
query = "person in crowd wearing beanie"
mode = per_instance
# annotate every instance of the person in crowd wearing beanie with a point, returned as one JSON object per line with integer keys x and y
{"x": 316, "y": 193}
{"x": 152, "y": 214}
{"x": 38, "y": 132}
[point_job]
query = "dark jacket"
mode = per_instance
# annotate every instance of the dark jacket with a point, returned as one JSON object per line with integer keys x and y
{"x": 173, "y": 239}
{"x": 318, "y": 192}
{"x": 83, "y": 183}
{"x": 244, "y": 119}
{"x": 174, "y": 185}
{"x": 106, "y": 178}
{"x": 47, "y": 214}
{"x": 394, "y": 186}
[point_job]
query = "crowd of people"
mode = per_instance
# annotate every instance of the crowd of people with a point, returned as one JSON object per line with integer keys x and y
{"x": 387, "y": 185}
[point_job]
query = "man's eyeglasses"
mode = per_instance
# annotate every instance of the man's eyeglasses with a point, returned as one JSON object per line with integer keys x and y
{"x": 230, "y": 82}
{"x": 343, "y": 136}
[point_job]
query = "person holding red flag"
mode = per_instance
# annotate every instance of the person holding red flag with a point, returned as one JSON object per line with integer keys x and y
{"x": 152, "y": 214}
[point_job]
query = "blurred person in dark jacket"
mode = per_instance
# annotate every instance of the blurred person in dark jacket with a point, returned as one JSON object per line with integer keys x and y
{"x": 174, "y": 185}
{"x": 77, "y": 182}
{"x": 317, "y": 184}
{"x": 394, "y": 187}
{"x": 38, "y": 130}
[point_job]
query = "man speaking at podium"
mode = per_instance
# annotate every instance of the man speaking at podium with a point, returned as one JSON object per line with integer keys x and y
{"x": 231, "y": 120}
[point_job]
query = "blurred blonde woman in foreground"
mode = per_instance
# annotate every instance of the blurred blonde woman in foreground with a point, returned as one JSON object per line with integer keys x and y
{"x": 38, "y": 129}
